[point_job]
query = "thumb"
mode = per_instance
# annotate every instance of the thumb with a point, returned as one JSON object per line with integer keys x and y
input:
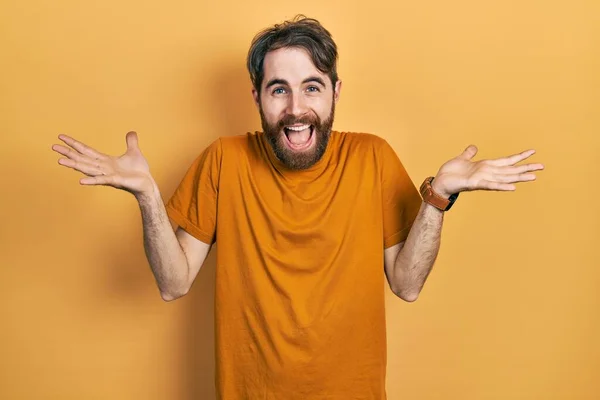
{"x": 132, "y": 140}
{"x": 469, "y": 152}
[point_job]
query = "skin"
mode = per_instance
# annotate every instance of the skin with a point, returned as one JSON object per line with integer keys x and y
{"x": 176, "y": 257}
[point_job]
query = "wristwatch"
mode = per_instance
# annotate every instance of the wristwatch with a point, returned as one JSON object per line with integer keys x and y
{"x": 431, "y": 197}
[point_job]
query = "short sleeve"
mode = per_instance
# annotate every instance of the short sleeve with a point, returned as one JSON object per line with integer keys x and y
{"x": 193, "y": 205}
{"x": 401, "y": 199}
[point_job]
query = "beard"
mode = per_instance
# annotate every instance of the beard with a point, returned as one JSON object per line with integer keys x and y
{"x": 300, "y": 159}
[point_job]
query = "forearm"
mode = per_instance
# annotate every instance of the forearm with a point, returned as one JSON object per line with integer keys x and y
{"x": 165, "y": 255}
{"x": 416, "y": 258}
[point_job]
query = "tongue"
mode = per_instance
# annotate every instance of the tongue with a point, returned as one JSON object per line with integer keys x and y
{"x": 296, "y": 137}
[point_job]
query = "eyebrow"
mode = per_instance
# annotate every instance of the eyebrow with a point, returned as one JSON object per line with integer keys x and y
{"x": 278, "y": 81}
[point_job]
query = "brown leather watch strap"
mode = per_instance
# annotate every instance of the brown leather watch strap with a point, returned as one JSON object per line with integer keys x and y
{"x": 431, "y": 197}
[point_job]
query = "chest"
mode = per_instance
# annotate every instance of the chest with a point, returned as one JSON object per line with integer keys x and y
{"x": 339, "y": 205}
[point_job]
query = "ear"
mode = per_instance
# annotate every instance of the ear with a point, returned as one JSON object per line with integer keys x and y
{"x": 337, "y": 90}
{"x": 256, "y": 97}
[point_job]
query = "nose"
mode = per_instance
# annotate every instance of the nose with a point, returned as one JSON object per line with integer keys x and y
{"x": 296, "y": 105}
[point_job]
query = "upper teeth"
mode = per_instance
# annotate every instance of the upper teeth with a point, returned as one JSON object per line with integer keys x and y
{"x": 298, "y": 128}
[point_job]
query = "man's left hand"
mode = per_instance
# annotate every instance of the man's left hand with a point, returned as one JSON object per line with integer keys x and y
{"x": 462, "y": 174}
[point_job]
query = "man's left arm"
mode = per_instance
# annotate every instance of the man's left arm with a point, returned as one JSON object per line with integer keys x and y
{"x": 408, "y": 264}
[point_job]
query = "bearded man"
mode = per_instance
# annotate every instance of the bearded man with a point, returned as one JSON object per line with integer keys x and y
{"x": 309, "y": 223}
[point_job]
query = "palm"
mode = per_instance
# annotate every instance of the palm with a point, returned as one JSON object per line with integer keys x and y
{"x": 462, "y": 174}
{"x": 129, "y": 171}
{"x": 458, "y": 173}
{"x": 131, "y": 167}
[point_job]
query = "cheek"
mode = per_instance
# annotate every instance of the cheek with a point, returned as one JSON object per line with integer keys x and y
{"x": 272, "y": 110}
{"x": 323, "y": 108}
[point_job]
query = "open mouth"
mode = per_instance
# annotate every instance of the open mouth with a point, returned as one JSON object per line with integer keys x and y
{"x": 299, "y": 137}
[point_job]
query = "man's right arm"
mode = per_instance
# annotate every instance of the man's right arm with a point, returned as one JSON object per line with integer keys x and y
{"x": 175, "y": 257}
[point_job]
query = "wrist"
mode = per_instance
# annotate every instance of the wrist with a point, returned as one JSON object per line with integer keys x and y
{"x": 434, "y": 195}
{"x": 148, "y": 192}
{"x": 437, "y": 187}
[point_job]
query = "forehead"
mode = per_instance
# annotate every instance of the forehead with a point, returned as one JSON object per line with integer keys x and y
{"x": 290, "y": 63}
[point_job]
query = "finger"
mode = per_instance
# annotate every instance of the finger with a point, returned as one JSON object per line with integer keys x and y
{"x": 520, "y": 169}
{"x": 132, "y": 140}
{"x": 500, "y": 186}
{"x": 512, "y": 160}
{"x": 82, "y": 166}
{"x": 469, "y": 152}
{"x": 514, "y": 178}
{"x": 82, "y": 148}
{"x": 107, "y": 180}
{"x": 70, "y": 153}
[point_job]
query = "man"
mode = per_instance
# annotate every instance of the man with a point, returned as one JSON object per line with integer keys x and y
{"x": 309, "y": 223}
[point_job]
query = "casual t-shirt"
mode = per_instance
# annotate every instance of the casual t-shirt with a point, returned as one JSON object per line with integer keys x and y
{"x": 300, "y": 280}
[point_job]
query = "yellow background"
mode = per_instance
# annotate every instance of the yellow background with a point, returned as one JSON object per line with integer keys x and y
{"x": 511, "y": 309}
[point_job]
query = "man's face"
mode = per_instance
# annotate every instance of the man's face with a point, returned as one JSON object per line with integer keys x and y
{"x": 296, "y": 104}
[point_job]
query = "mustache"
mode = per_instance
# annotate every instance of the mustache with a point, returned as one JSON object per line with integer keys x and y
{"x": 291, "y": 120}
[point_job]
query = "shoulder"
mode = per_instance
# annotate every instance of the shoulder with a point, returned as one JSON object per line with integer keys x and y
{"x": 238, "y": 150}
{"x": 228, "y": 146}
{"x": 371, "y": 148}
{"x": 364, "y": 141}
{"x": 360, "y": 138}
{"x": 239, "y": 143}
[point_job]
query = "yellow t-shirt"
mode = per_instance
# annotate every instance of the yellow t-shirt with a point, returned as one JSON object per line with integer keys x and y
{"x": 299, "y": 300}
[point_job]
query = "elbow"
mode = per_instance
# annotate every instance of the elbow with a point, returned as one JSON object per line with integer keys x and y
{"x": 170, "y": 295}
{"x": 410, "y": 296}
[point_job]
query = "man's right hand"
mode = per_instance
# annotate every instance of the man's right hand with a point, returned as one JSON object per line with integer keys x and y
{"x": 175, "y": 257}
{"x": 129, "y": 172}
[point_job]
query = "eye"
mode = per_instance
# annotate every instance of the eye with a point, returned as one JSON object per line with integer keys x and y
{"x": 279, "y": 90}
{"x": 313, "y": 89}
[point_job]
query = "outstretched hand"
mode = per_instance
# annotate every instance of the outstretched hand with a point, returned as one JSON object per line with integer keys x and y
{"x": 463, "y": 174}
{"x": 129, "y": 171}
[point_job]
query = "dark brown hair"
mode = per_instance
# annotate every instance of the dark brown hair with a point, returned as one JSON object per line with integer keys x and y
{"x": 302, "y": 32}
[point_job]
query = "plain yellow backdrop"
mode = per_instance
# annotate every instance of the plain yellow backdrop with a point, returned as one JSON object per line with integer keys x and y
{"x": 510, "y": 310}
